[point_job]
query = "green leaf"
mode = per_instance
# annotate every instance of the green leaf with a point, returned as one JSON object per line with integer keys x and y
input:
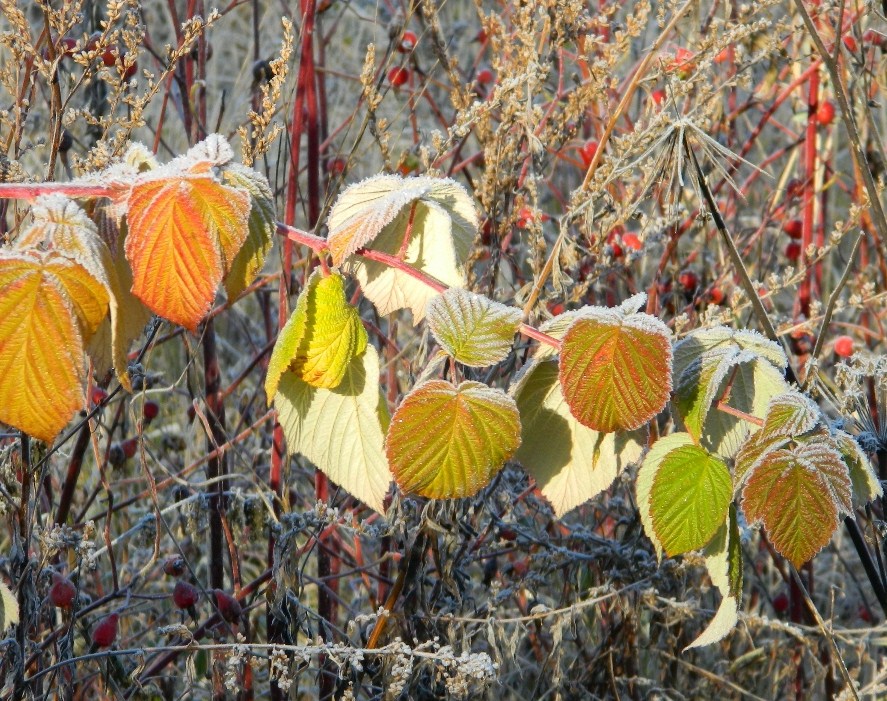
{"x": 689, "y": 498}
{"x": 866, "y": 485}
{"x": 615, "y": 369}
{"x": 338, "y": 430}
{"x": 446, "y": 442}
{"x": 261, "y": 228}
{"x": 8, "y": 608}
{"x": 436, "y": 217}
{"x": 646, "y": 475}
{"x": 570, "y": 462}
{"x": 475, "y": 330}
{"x": 797, "y": 494}
{"x": 697, "y": 386}
{"x": 703, "y": 341}
{"x": 320, "y": 338}
{"x": 791, "y": 414}
{"x": 723, "y": 560}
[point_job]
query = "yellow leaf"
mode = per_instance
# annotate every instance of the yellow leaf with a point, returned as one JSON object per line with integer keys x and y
{"x": 184, "y": 231}
{"x": 44, "y": 299}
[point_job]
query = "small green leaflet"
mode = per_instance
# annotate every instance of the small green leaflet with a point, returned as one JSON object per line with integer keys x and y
{"x": 476, "y": 331}
{"x": 689, "y": 498}
{"x": 339, "y": 430}
{"x": 866, "y": 485}
{"x": 570, "y": 462}
{"x": 446, "y": 441}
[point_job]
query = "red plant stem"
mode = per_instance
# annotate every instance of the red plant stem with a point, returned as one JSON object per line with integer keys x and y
{"x": 31, "y": 191}
{"x": 804, "y": 291}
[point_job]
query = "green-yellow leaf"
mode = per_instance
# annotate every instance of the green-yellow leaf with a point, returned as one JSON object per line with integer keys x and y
{"x": 723, "y": 560}
{"x": 689, "y": 499}
{"x": 321, "y": 337}
{"x": 338, "y": 430}
{"x": 570, "y": 462}
{"x": 866, "y": 485}
{"x": 646, "y": 475}
{"x": 446, "y": 442}
{"x": 615, "y": 369}
{"x": 251, "y": 257}
{"x": 473, "y": 329}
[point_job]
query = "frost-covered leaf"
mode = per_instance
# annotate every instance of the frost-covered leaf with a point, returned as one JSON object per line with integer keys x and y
{"x": 185, "y": 230}
{"x": 689, "y": 498}
{"x": 571, "y": 463}
{"x": 742, "y": 366}
{"x": 647, "y": 474}
{"x": 798, "y": 493}
{"x": 473, "y": 329}
{"x": 439, "y": 231}
{"x": 8, "y": 609}
{"x": 338, "y": 430}
{"x": 321, "y": 337}
{"x": 866, "y": 485}
{"x": 615, "y": 369}
{"x": 790, "y": 414}
{"x": 752, "y": 386}
{"x": 723, "y": 559}
{"x": 364, "y": 209}
{"x": 251, "y": 257}
{"x": 446, "y": 441}
{"x": 61, "y": 225}
{"x": 48, "y": 304}
{"x": 702, "y": 341}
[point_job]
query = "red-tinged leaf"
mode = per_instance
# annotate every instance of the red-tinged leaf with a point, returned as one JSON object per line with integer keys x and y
{"x": 446, "y": 442}
{"x": 797, "y": 494}
{"x": 184, "y": 231}
{"x": 691, "y": 493}
{"x": 44, "y": 300}
{"x": 615, "y": 369}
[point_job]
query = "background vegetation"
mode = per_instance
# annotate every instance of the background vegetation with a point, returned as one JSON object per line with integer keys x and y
{"x": 561, "y": 118}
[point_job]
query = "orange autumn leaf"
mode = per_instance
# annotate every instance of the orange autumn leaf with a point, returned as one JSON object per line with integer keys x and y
{"x": 49, "y": 305}
{"x": 184, "y": 231}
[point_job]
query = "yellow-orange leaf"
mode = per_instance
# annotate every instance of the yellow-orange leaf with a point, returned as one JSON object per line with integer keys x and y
{"x": 184, "y": 232}
{"x": 45, "y": 301}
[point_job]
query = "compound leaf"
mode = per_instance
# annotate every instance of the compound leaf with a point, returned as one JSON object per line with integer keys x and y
{"x": 338, "y": 429}
{"x": 473, "y": 329}
{"x": 446, "y": 441}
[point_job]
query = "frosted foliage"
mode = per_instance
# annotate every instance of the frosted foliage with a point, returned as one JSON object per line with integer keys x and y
{"x": 570, "y": 462}
{"x": 724, "y": 621}
{"x": 822, "y": 457}
{"x": 791, "y": 414}
{"x": 866, "y": 485}
{"x": 754, "y": 384}
{"x": 214, "y": 150}
{"x": 432, "y": 250}
{"x": 364, "y": 209}
{"x": 700, "y": 342}
{"x": 473, "y": 329}
{"x": 338, "y": 430}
